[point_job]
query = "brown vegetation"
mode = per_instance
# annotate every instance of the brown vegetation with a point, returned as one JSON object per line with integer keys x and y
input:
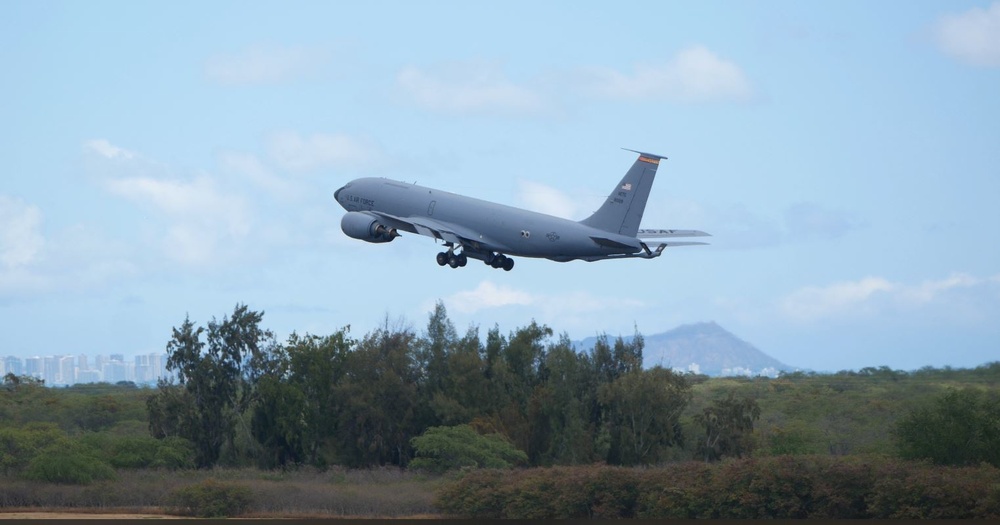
{"x": 305, "y": 492}
{"x": 775, "y": 487}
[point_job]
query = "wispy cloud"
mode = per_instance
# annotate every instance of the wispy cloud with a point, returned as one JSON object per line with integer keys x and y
{"x": 71, "y": 258}
{"x": 574, "y": 310}
{"x": 263, "y": 65}
{"x": 467, "y": 88}
{"x": 972, "y": 37}
{"x": 294, "y": 152}
{"x": 108, "y": 150}
{"x": 694, "y": 74}
{"x": 21, "y": 238}
{"x": 255, "y": 171}
{"x": 487, "y": 295}
{"x": 812, "y": 221}
{"x": 200, "y": 215}
{"x": 193, "y": 219}
{"x": 738, "y": 227}
{"x": 875, "y": 295}
{"x": 546, "y": 199}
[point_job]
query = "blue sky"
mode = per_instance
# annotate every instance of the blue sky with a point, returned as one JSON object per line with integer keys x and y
{"x": 177, "y": 158}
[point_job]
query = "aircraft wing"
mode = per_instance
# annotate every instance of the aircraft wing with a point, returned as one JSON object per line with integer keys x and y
{"x": 660, "y": 233}
{"x": 444, "y": 231}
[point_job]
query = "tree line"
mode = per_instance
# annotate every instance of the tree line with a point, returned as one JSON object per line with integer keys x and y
{"x": 438, "y": 400}
{"x": 242, "y": 397}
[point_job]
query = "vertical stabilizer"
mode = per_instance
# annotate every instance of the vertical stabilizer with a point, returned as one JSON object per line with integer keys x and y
{"x": 622, "y": 212}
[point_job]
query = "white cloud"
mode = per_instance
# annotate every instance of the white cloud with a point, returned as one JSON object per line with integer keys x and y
{"x": 262, "y": 65}
{"x": 201, "y": 215}
{"x": 251, "y": 168}
{"x": 21, "y": 238}
{"x": 738, "y": 227}
{"x": 814, "y": 302}
{"x": 546, "y": 199}
{"x": 293, "y": 152}
{"x": 575, "y": 310}
{"x": 487, "y": 295}
{"x": 873, "y": 295}
{"x": 107, "y": 150}
{"x": 972, "y": 37}
{"x": 467, "y": 87}
{"x": 694, "y": 74}
{"x": 191, "y": 220}
{"x": 809, "y": 220}
{"x": 33, "y": 263}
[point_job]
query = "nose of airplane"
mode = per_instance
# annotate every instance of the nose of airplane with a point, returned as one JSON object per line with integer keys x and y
{"x": 336, "y": 194}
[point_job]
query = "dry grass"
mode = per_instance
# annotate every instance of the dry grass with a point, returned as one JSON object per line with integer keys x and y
{"x": 303, "y": 493}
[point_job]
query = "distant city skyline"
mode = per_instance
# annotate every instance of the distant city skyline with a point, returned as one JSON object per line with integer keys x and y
{"x": 72, "y": 369}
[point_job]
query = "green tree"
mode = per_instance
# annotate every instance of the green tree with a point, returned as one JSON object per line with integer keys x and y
{"x": 961, "y": 427}
{"x": 316, "y": 365}
{"x": 443, "y": 448}
{"x": 566, "y": 398}
{"x": 219, "y": 377}
{"x": 279, "y": 422}
{"x": 728, "y": 427}
{"x": 642, "y": 410}
{"x": 378, "y": 400}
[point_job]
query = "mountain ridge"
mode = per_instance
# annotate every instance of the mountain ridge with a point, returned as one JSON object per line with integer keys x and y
{"x": 704, "y": 348}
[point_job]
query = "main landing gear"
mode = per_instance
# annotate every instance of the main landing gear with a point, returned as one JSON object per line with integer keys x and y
{"x": 451, "y": 259}
{"x": 455, "y": 260}
{"x": 500, "y": 261}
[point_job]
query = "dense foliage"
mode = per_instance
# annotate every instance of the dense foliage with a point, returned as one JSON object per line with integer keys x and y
{"x": 446, "y": 448}
{"x": 803, "y": 444}
{"x": 242, "y": 398}
{"x": 777, "y": 487}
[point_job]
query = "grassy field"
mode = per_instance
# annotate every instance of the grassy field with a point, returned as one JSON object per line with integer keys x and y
{"x": 374, "y": 493}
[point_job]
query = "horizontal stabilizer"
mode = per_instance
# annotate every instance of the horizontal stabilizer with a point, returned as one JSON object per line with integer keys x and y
{"x": 608, "y": 243}
{"x": 659, "y": 233}
{"x": 683, "y": 243}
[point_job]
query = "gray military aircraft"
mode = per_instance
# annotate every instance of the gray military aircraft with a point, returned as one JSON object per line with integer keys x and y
{"x": 379, "y": 209}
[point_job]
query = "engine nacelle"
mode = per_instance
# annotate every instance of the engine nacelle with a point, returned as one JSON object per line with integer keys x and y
{"x": 360, "y": 225}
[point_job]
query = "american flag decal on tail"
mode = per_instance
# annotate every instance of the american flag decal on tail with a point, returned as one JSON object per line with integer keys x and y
{"x": 627, "y": 186}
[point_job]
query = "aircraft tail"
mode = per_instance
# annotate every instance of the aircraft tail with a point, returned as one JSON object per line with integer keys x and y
{"x": 622, "y": 212}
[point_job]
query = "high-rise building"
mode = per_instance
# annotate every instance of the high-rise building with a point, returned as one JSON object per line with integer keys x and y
{"x": 88, "y": 376}
{"x": 50, "y": 370}
{"x": 115, "y": 371}
{"x": 13, "y": 365}
{"x": 99, "y": 362}
{"x": 67, "y": 370}
{"x": 33, "y": 367}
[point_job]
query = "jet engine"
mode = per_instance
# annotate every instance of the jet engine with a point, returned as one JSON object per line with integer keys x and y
{"x": 360, "y": 225}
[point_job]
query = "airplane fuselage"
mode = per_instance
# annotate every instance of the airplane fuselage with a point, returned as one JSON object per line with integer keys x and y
{"x": 487, "y": 226}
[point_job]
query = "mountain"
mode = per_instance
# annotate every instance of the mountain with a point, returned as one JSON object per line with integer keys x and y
{"x": 704, "y": 348}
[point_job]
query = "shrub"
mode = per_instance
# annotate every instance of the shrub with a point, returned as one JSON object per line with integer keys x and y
{"x": 910, "y": 490}
{"x": 211, "y": 499}
{"x": 73, "y": 465}
{"x": 442, "y": 448}
{"x": 780, "y": 487}
{"x": 174, "y": 453}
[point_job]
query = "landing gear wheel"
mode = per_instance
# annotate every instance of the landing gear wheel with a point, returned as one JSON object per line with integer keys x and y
{"x": 508, "y": 264}
{"x": 442, "y": 259}
{"x": 463, "y": 260}
{"x": 453, "y": 261}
